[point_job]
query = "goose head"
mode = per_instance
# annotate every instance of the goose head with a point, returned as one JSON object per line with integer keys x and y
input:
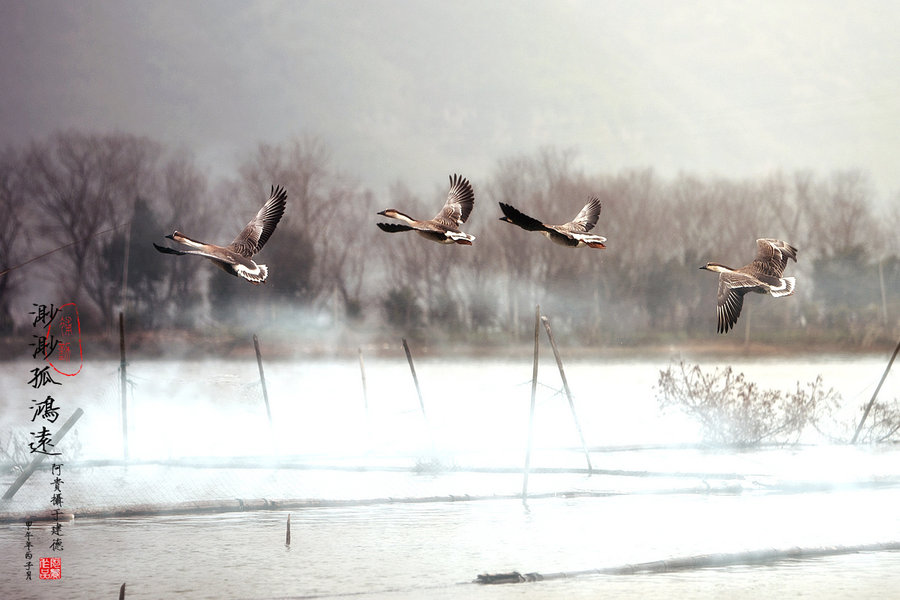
{"x": 716, "y": 268}
{"x": 396, "y": 214}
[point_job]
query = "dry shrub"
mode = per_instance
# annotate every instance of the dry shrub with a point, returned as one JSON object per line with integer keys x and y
{"x": 735, "y": 412}
{"x": 883, "y": 423}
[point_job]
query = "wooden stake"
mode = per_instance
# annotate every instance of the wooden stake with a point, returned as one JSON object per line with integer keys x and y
{"x": 562, "y": 374}
{"x": 362, "y": 371}
{"x": 125, "y": 266}
{"x": 287, "y": 536}
{"x": 262, "y": 378}
{"x": 122, "y": 592}
{"x": 875, "y": 395}
{"x": 534, "y": 373}
{"x": 123, "y": 383}
{"x": 37, "y": 460}
{"x": 412, "y": 369}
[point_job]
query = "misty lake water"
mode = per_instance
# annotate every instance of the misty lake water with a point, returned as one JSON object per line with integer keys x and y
{"x": 199, "y": 432}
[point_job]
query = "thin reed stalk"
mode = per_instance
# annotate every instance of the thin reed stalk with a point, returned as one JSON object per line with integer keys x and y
{"x": 262, "y": 378}
{"x": 562, "y": 374}
{"x": 534, "y": 373}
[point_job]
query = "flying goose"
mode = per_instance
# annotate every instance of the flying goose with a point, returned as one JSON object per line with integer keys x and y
{"x": 573, "y": 234}
{"x": 762, "y": 276}
{"x": 236, "y": 258}
{"x": 444, "y": 227}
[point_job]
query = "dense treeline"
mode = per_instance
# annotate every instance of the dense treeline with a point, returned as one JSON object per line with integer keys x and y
{"x": 331, "y": 266}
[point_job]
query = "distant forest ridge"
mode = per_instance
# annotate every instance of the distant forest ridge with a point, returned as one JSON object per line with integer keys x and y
{"x": 332, "y": 272}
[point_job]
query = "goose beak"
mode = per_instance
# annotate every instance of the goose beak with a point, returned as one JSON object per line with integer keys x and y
{"x": 171, "y": 237}
{"x": 382, "y": 213}
{"x": 704, "y": 268}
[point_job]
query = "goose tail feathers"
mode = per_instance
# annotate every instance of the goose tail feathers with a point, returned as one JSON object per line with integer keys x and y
{"x": 461, "y": 237}
{"x": 254, "y": 276}
{"x": 785, "y": 289}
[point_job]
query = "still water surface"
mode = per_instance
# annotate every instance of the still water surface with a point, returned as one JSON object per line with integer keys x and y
{"x": 426, "y": 551}
{"x": 655, "y": 498}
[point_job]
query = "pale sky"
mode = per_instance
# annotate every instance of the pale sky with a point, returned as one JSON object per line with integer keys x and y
{"x": 416, "y": 90}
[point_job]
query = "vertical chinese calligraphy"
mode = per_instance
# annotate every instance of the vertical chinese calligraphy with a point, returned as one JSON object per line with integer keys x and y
{"x": 45, "y": 410}
{"x": 40, "y": 377}
{"x": 56, "y": 500}
{"x": 28, "y": 554}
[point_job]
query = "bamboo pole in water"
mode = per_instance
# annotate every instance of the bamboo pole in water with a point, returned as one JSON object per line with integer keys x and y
{"x": 125, "y": 266}
{"x": 412, "y": 369}
{"x": 37, "y": 460}
{"x": 362, "y": 371}
{"x": 287, "y": 535}
{"x": 122, "y": 383}
{"x": 875, "y": 395}
{"x": 534, "y": 372}
{"x": 562, "y": 374}
{"x": 262, "y": 378}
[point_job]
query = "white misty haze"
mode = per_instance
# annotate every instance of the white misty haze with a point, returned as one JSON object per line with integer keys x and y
{"x": 414, "y": 91}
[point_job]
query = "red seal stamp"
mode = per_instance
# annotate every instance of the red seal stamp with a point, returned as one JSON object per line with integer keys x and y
{"x": 65, "y": 329}
{"x": 50, "y": 567}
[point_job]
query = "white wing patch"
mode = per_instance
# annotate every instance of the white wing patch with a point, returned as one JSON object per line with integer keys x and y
{"x": 255, "y": 275}
{"x": 785, "y": 289}
{"x": 588, "y": 238}
{"x": 459, "y": 235}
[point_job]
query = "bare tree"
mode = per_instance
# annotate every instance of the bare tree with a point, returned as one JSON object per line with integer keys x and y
{"x": 528, "y": 270}
{"x": 839, "y": 213}
{"x": 324, "y": 249}
{"x": 182, "y": 201}
{"x": 327, "y": 256}
{"x": 83, "y": 184}
{"x": 12, "y": 239}
{"x": 430, "y": 271}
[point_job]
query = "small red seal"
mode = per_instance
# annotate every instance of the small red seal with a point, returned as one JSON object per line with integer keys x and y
{"x": 66, "y": 330}
{"x": 50, "y": 567}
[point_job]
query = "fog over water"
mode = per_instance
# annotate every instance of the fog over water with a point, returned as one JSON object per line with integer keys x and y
{"x": 198, "y": 432}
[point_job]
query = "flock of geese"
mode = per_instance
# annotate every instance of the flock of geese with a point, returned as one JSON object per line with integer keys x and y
{"x": 762, "y": 276}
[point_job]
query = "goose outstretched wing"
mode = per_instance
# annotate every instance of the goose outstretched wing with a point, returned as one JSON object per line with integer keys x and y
{"x": 257, "y": 232}
{"x": 772, "y": 256}
{"x": 519, "y": 218}
{"x": 393, "y": 227}
{"x": 730, "y": 298}
{"x": 586, "y": 219}
{"x": 460, "y": 200}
